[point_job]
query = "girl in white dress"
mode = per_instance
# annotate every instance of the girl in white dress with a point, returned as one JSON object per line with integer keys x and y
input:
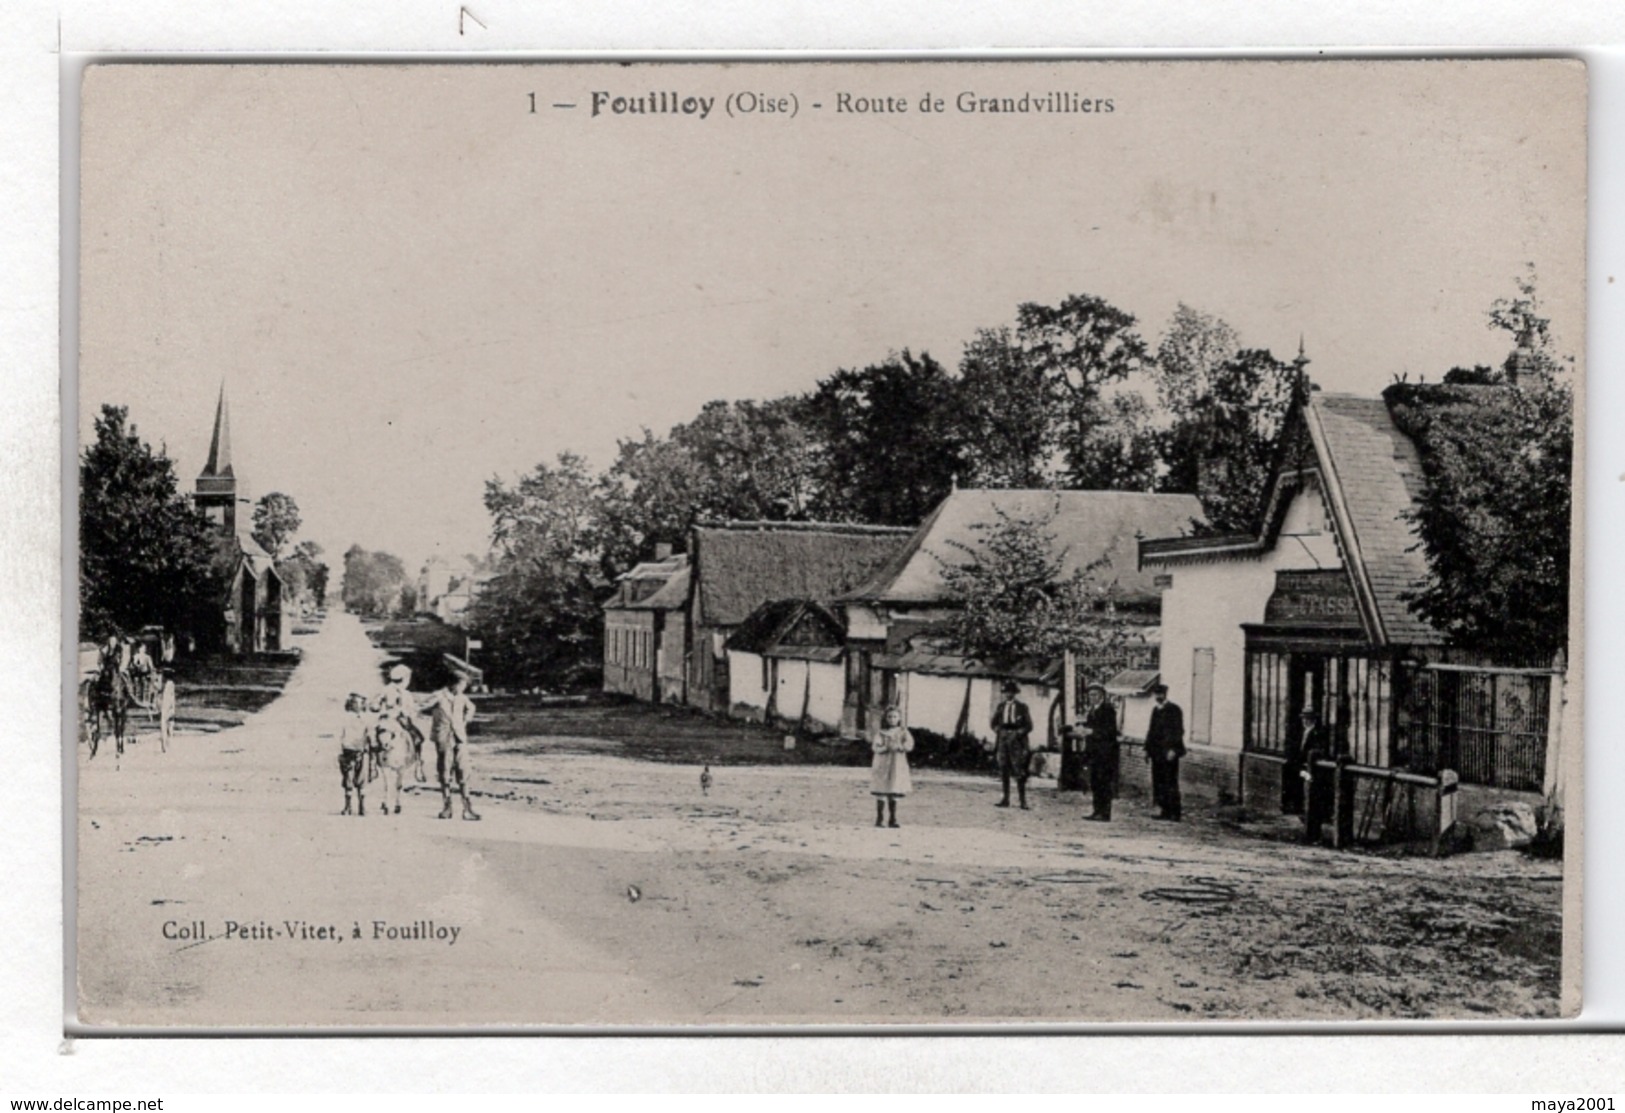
{"x": 888, "y": 776}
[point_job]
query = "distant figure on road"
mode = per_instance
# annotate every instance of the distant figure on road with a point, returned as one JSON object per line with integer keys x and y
{"x": 1012, "y": 730}
{"x": 705, "y": 780}
{"x": 1164, "y": 746}
{"x": 166, "y": 710}
{"x": 888, "y": 775}
{"x": 1100, "y": 751}
{"x": 451, "y": 712}
{"x": 354, "y": 739}
{"x": 141, "y": 672}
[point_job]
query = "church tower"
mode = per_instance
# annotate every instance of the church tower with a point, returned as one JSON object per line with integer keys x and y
{"x": 216, "y": 494}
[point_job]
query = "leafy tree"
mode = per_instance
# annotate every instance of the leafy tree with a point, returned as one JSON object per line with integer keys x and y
{"x": 1193, "y": 347}
{"x": 1007, "y": 413}
{"x": 1083, "y": 346}
{"x": 1121, "y": 451}
{"x": 539, "y": 615}
{"x": 1534, "y": 352}
{"x": 316, "y": 570}
{"x": 1221, "y": 441}
{"x": 890, "y": 441}
{"x": 372, "y": 582}
{"x": 304, "y": 576}
{"x": 276, "y": 520}
{"x": 1013, "y": 599}
{"x": 1495, "y": 515}
{"x": 742, "y": 460}
{"x": 146, "y": 556}
{"x": 652, "y": 494}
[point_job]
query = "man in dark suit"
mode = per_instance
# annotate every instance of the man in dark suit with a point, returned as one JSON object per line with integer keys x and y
{"x": 1164, "y": 746}
{"x": 1100, "y": 751}
{"x": 1012, "y": 728}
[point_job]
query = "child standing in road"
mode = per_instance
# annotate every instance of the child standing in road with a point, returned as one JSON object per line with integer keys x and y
{"x": 888, "y": 776}
{"x": 353, "y": 740}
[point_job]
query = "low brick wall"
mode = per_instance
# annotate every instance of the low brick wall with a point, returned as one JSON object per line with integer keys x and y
{"x": 1207, "y": 774}
{"x": 1261, "y": 779}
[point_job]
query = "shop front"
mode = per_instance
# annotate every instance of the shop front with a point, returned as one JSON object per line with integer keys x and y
{"x": 1309, "y": 665}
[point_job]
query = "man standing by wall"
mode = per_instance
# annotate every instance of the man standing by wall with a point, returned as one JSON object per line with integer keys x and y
{"x": 1164, "y": 746}
{"x": 1100, "y": 751}
{"x": 1012, "y": 727}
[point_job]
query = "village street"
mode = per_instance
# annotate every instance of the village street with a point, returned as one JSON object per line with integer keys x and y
{"x": 603, "y": 889}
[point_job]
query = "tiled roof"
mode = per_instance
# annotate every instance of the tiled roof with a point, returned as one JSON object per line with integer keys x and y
{"x": 1087, "y": 526}
{"x": 1378, "y": 472}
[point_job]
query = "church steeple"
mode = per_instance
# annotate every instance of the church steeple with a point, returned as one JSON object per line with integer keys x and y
{"x": 220, "y": 446}
{"x": 216, "y": 494}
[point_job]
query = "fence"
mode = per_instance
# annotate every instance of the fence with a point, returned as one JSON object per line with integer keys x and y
{"x": 1490, "y": 724}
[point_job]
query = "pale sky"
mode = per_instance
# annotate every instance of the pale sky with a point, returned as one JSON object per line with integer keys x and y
{"x": 409, "y": 283}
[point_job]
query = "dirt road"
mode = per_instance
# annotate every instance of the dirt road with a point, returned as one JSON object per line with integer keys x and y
{"x": 603, "y": 889}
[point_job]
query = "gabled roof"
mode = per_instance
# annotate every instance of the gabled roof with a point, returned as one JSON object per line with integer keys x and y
{"x": 636, "y": 590}
{"x": 1372, "y": 476}
{"x": 1377, "y": 475}
{"x": 768, "y": 626}
{"x": 1087, "y": 526}
{"x": 741, "y": 565}
{"x": 240, "y": 550}
{"x": 670, "y": 596}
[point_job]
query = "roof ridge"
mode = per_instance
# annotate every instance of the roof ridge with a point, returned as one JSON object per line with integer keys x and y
{"x": 764, "y": 525}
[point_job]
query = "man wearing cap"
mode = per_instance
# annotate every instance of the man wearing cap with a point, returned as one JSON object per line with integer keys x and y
{"x": 1012, "y": 727}
{"x": 1164, "y": 746}
{"x": 1100, "y": 751}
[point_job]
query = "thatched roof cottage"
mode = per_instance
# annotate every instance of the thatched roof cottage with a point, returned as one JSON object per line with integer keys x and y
{"x": 738, "y": 566}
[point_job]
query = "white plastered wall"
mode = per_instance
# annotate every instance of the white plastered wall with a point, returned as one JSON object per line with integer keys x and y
{"x": 1208, "y": 603}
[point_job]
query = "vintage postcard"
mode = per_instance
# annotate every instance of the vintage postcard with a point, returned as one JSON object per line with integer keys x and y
{"x": 828, "y": 543}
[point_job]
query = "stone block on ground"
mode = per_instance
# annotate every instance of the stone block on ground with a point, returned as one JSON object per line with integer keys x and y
{"x": 1506, "y": 826}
